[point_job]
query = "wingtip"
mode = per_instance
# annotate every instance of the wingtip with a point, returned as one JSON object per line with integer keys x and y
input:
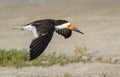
{"x": 31, "y": 59}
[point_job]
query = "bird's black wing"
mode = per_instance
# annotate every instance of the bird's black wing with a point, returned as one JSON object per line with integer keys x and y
{"x": 64, "y": 32}
{"x": 39, "y": 44}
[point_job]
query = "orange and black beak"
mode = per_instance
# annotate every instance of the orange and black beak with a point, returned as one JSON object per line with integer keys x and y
{"x": 71, "y": 27}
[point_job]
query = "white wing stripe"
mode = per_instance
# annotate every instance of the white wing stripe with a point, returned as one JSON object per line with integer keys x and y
{"x": 34, "y": 31}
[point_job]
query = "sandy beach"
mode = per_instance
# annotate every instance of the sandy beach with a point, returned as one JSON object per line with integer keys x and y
{"x": 99, "y": 20}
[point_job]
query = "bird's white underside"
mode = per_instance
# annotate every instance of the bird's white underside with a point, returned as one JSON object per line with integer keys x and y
{"x": 65, "y": 25}
{"x": 33, "y": 29}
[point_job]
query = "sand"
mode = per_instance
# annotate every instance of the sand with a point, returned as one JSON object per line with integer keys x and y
{"x": 98, "y": 20}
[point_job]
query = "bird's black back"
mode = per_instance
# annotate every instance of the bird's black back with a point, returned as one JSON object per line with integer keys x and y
{"x": 43, "y": 26}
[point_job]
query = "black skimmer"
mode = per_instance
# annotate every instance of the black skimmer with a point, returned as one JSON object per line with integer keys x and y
{"x": 43, "y": 32}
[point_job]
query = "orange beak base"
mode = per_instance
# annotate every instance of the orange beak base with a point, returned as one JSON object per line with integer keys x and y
{"x": 70, "y": 27}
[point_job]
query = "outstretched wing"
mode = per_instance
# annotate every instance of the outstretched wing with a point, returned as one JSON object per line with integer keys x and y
{"x": 64, "y": 32}
{"x": 39, "y": 44}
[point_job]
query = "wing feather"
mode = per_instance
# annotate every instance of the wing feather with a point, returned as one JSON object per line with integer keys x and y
{"x": 64, "y": 32}
{"x": 39, "y": 44}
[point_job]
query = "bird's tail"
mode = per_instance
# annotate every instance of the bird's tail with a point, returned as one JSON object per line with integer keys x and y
{"x": 23, "y": 27}
{"x": 18, "y": 27}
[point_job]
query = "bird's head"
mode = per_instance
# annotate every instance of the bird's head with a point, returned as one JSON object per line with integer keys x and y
{"x": 62, "y": 24}
{"x": 71, "y": 27}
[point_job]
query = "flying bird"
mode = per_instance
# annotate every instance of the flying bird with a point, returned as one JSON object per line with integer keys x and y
{"x": 43, "y": 31}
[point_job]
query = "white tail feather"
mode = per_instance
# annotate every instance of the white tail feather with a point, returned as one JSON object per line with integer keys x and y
{"x": 18, "y": 27}
{"x": 26, "y": 27}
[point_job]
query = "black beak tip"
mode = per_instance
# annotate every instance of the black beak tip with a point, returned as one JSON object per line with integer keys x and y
{"x": 77, "y": 30}
{"x": 81, "y": 32}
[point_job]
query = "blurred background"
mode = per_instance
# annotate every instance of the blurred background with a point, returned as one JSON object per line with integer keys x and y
{"x": 98, "y": 19}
